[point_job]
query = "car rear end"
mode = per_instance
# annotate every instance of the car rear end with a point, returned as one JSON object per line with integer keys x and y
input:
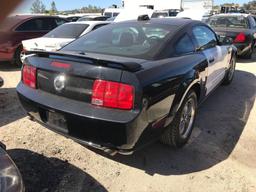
{"x": 235, "y": 27}
{"x": 94, "y": 104}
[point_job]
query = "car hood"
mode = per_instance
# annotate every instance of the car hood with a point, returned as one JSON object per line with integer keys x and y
{"x": 45, "y": 44}
{"x": 10, "y": 177}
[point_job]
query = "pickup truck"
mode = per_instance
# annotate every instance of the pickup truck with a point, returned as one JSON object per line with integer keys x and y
{"x": 127, "y": 84}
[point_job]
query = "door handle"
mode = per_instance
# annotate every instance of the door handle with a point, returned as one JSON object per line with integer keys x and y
{"x": 211, "y": 60}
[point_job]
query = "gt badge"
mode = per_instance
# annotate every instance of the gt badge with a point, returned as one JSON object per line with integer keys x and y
{"x": 59, "y": 82}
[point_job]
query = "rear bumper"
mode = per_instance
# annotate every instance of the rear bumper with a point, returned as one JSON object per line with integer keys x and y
{"x": 102, "y": 128}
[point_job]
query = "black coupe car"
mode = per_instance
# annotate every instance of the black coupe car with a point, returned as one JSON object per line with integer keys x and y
{"x": 127, "y": 84}
{"x": 239, "y": 28}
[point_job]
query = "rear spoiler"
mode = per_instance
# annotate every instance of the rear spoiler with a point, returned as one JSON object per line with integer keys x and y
{"x": 129, "y": 66}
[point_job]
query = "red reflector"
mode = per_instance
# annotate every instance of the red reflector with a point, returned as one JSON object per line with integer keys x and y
{"x": 29, "y": 76}
{"x": 240, "y": 38}
{"x": 60, "y": 65}
{"x": 112, "y": 94}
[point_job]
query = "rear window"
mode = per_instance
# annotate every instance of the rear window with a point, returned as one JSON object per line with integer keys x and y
{"x": 159, "y": 14}
{"x": 232, "y": 22}
{"x": 138, "y": 40}
{"x": 67, "y": 31}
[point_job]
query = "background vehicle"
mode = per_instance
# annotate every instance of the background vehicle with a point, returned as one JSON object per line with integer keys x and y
{"x": 200, "y": 14}
{"x": 61, "y": 36}
{"x": 127, "y": 84}
{"x": 111, "y": 12}
{"x": 10, "y": 177}
{"x": 73, "y": 18}
{"x": 241, "y": 28}
{"x": 21, "y": 27}
{"x": 93, "y": 18}
{"x": 160, "y": 14}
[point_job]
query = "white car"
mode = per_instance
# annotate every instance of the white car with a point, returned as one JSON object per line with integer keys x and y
{"x": 195, "y": 14}
{"x": 60, "y": 36}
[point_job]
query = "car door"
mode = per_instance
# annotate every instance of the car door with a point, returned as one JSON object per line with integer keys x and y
{"x": 217, "y": 56}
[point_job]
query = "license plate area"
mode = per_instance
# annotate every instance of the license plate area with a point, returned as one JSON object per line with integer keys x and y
{"x": 57, "y": 120}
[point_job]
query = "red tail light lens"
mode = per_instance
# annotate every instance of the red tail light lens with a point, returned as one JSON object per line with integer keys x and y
{"x": 29, "y": 76}
{"x": 112, "y": 94}
{"x": 240, "y": 38}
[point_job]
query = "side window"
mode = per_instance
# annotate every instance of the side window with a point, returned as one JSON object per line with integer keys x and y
{"x": 184, "y": 46}
{"x": 60, "y": 21}
{"x": 98, "y": 26}
{"x": 48, "y": 24}
{"x": 204, "y": 37}
{"x": 30, "y": 25}
{"x": 252, "y": 22}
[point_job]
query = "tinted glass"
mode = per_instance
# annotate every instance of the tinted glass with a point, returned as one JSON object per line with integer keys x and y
{"x": 67, "y": 31}
{"x": 159, "y": 14}
{"x": 184, "y": 46}
{"x": 252, "y": 22}
{"x": 41, "y": 24}
{"x": 114, "y": 14}
{"x": 139, "y": 40}
{"x": 98, "y": 26}
{"x": 204, "y": 36}
{"x": 60, "y": 21}
{"x": 228, "y": 21}
{"x": 108, "y": 14}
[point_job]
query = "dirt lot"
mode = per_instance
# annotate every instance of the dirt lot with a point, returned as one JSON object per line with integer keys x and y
{"x": 220, "y": 157}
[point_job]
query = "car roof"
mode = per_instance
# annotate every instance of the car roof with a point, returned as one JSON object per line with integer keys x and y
{"x": 12, "y": 21}
{"x": 88, "y": 22}
{"x": 168, "y": 21}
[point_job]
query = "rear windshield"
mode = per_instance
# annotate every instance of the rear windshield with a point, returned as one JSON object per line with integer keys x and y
{"x": 71, "y": 31}
{"x": 232, "y": 22}
{"x": 137, "y": 40}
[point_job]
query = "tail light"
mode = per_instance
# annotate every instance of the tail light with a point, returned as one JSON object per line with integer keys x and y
{"x": 240, "y": 38}
{"x": 29, "y": 76}
{"x": 112, "y": 94}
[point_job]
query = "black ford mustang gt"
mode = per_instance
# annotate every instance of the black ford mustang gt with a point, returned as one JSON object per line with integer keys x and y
{"x": 127, "y": 84}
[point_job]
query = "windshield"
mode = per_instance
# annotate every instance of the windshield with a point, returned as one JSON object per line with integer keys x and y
{"x": 71, "y": 31}
{"x": 138, "y": 40}
{"x": 159, "y": 14}
{"x": 232, "y": 22}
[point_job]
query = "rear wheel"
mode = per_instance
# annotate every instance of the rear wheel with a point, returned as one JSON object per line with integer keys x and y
{"x": 179, "y": 131}
{"x": 18, "y": 55}
{"x": 231, "y": 71}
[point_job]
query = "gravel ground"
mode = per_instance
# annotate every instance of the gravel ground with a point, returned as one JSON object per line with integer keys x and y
{"x": 219, "y": 157}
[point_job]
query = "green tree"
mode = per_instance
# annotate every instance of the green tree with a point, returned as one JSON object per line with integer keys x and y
{"x": 37, "y": 7}
{"x": 53, "y": 9}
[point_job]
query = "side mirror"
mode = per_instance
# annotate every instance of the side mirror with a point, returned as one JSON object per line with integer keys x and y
{"x": 1, "y": 82}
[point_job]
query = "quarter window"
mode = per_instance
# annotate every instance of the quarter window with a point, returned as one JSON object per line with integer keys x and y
{"x": 184, "y": 46}
{"x": 204, "y": 37}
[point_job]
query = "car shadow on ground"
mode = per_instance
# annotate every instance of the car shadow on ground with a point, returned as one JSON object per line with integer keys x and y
{"x": 219, "y": 125}
{"x": 45, "y": 174}
{"x": 7, "y": 66}
{"x": 10, "y": 108}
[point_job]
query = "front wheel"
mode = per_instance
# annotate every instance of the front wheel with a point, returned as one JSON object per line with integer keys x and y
{"x": 178, "y": 132}
{"x": 19, "y": 54}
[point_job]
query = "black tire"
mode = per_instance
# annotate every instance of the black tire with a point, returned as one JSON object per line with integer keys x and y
{"x": 231, "y": 72}
{"x": 248, "y": 55}
{"x": 17, "y": 60}
{"x": 173, "y": 136}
